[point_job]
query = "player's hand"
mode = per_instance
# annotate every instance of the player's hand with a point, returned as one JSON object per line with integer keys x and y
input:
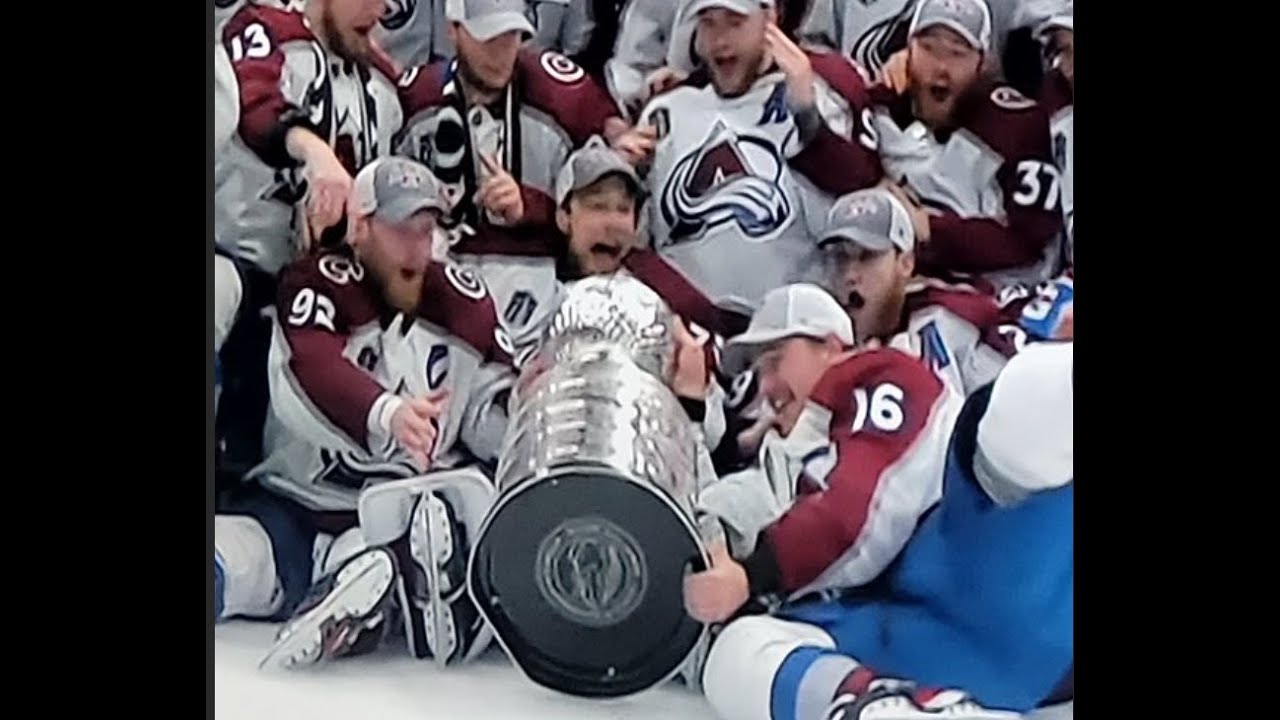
{"x": 795, "y": 65}
{"x": 714, "y": 595}
{"x": 500, "y": 193}
{"x": 894, "y": 73}
{"x": 663, "y": 79}
{"x": 636, "y": 144}
{"x": 328, "y": 189}
{"x": 919, "y": 216}
{"x": 691, "y": 379}
{"x": 415, "y": 425}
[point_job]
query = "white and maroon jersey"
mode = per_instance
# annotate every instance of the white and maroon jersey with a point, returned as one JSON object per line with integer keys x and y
{"x": 870, "y": 32}
{"x": 874, "y": 435}
{"x": 281, "y": 71}
{"x": 551, "y": 108}
{"x": 1059, "y": 102}
{"x": 735, "y": 200}
{"x": 525, "y": 293}
{"x": 340, "y": 357}
{"x": 224, "y": 9}
{"x": 955, "y": 330}
{"x": 991, "y": 185}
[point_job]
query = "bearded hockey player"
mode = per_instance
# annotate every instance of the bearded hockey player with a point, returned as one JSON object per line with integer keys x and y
{"x": 750, "y": 153}
{"x": 384, "y": 366}
{"x": 976, "y": 154}
{"x": 980, "y": 602}
{"x": 956, "y": 329}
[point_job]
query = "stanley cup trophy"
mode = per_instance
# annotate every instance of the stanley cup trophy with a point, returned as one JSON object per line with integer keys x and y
{"x": 579, "y": 565}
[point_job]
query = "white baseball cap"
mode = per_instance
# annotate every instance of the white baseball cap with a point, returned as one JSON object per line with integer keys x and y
{"x": 797, "y": 310}
{"x": 742, "y": 7}
{"x": 487, "y": 19}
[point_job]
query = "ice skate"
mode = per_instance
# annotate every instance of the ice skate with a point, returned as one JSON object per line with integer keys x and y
{"x": 345, "y": 613}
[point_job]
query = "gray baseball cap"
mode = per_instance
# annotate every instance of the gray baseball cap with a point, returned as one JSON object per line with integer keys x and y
{"x": 970, "y": 18}
{"x": 742, "y": 7}
{"x": 796, "y": 310}
{"x": 873, "y": 218}
{"x": 593, "y": 161}
{"x": 487, "y": 19}
{"x": 395, "y": 188}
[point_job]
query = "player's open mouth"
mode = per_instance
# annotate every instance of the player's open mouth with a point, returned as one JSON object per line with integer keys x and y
{"x": 939, "y": 93}
{"x": 408, "y": 274}
{"x": 724, "y": 64}
{"x": 611, "y": 251}
{"x": 365, "y": 29}
{"x": 854, "y": 301}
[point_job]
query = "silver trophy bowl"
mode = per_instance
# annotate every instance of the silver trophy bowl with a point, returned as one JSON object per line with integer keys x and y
{"x": 579, "y": 564}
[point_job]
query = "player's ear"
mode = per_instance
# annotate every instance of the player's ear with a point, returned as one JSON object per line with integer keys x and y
{"x": 906, "y": 263}
{"x": 562, "y": 220}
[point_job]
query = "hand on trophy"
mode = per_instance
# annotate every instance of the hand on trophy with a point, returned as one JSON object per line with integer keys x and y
{"x": 715, "y": 594}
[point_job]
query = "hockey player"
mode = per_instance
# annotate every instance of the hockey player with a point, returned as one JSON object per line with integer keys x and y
{"x": 495, "y": 124}
{"x": 974, "y": 153}
{"x": 750, "y": 153}
{"x": 384, "y": 366}
{"x": 869, "y": 250}
{"x": 980, "y": 599}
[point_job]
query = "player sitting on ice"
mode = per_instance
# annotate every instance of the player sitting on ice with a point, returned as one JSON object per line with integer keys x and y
{"x": 974, "y": 152}
{"x": 979, "y": 592}
{"x": 384, "y": 366}
{"x": 870, "y": 252}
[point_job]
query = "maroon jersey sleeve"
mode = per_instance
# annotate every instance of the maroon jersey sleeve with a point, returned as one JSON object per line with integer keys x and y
{"x": 1018, "y": 129}
{"x": 457, "y": 300}
{"x": 559, "y": 87}
{"x": 977, "y": 307}
{"x": 881, "y": 412}
{"x": 704, "y": 319}
{"x": 832, "y": 163}
{"x": 321, "y": 300}
{"x": 421, "y": 87}
{"x": 253, "y": 38}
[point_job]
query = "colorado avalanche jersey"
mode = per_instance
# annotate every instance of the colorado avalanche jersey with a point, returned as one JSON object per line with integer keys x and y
{"x": 736, "y": 199}
{"x": 991, "y": 185}
{"x": 339, "y": 356}
{"x": 280, "y": 65}
{"x": 956, "y": 331}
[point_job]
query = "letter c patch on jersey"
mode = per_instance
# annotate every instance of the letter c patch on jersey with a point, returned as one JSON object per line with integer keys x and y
{"x": 1010, "y": 99}
{"x": 465, "y": 282}
{"x": 561, "y": 68}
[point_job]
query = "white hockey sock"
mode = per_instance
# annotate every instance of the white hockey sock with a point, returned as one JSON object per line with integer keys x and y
{"x": 252, "y": 588}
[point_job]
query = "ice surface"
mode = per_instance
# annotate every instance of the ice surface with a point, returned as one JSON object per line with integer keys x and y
{"x": 390, "y": 686}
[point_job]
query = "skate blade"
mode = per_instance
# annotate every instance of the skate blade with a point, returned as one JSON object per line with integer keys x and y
{"x": 360, "y": 585}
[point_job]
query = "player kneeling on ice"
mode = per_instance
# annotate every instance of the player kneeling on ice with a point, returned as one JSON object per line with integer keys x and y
{"x": 389, "y": 374}
{"x": 979, "y": 593}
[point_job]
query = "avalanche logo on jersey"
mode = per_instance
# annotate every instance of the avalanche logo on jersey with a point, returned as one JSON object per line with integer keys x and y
{"x": 727, "y": 179}
{"x": 341, "y": 106}
{"x": 397, "y": 13}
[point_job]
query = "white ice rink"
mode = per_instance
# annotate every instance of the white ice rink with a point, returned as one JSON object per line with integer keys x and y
{"x": 390, "y": 686}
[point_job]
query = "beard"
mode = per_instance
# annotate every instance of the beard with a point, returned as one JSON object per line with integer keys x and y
{"x": 348, "y": 45}
{"x": 472, "y": 78}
